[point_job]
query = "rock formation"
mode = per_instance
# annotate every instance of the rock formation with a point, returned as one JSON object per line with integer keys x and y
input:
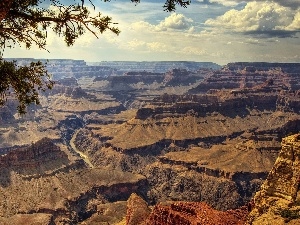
{"x": 194, "y": 213}
{"x": 137, "y": 210}
{"x": 45, "y": 183}
{"x": 38, "y": 158}
{"x": 157, "y": 67}
{"x": 176, "y": 141}
{"x": 184, "y": 134}
{"x": 278, "y": 200}
{"x": 263, "y": 66}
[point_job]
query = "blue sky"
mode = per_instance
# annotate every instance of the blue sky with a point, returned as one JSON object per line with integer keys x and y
{"x": 220, "y": 31}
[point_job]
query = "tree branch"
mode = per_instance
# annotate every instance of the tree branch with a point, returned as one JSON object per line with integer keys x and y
{"x": 37, "y": 19}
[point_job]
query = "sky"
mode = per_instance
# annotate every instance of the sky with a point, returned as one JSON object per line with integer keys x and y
{"x": 219, "y": 31}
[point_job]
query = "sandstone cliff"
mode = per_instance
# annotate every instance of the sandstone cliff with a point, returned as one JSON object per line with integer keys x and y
{"x": 278, "y": 200}
{"x": 276, "y": 203}
{"x": 38, "y": 158}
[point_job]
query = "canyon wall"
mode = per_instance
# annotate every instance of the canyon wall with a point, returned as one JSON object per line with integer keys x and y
{"x": 278, "y": 200}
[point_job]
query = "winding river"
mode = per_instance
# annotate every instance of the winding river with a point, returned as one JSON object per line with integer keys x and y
{"x": 82, "y": 155}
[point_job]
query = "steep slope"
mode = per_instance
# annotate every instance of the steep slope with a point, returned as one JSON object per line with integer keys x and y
{"x": 45, "y": 183}
{"x": 278, "y": 201}
{"x": 215, "y": 148}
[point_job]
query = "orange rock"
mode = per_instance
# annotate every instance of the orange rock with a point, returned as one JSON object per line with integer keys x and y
{"x": 195, "y": 213}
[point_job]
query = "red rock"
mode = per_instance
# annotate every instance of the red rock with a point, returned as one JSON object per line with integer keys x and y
{"x": 195, "y": 213}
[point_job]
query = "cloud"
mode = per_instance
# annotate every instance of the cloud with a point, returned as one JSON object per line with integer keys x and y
{"x": 141, "y": 25}
{"x": 193, "y": 50}
{"x": 149, "y": 33}
{"x": 175, "y": 21}
{"x": 266, "y": 19}
{"x": 135, "y": 44}
{"x": 157, "y": 47}
{"x": 229, "y": 3}
{"x": 293, "y": 4}
{"x": 295, "y": 25}
{"x": 144, "y": 46}
{"x": 225, "y": 2}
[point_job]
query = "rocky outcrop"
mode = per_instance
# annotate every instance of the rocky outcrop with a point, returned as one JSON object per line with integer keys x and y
{"x": 249, "y": 75}
{"x": 137, "y": 210}
{"x": 40, "y": 157}
{"x": 289, "y": 102}
{"x": 130, "y": 80}
{"x": 277, "y": 202}
{"x": 194, "y": 213}
{"x": 226, "y": 103}
{"x": 177, "y": 183}
{"x": 186, "y": 165}
{"x": 278, "y": 199}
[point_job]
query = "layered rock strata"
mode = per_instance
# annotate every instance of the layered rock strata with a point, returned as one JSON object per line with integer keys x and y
{"x": 38, "y": 158}
{"x": 47, "y": 184}
{"x": 70, "y": 197}
{"x": 278, "y": 200}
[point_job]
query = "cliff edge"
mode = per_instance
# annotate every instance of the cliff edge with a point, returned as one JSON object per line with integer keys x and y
{"x": 279, "y": 198}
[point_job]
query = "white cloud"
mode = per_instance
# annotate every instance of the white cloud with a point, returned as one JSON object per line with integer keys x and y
{"x": 193, "y": 50}
{"x": 293, "y": 4}
{"x": 295, "y": 24}
{"x": 141, "y": 26}
{"x": 135, "y": 44}
{"x": 259, "y": 18}
{"x": 157, "y": 47}
{"x": 175, "y": 21}
{"x": 229, "y": 3}
{"x": 225, "y": 2}
{"x": 172, "y": 22}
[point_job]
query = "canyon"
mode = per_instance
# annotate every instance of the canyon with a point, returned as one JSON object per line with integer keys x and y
{"x": 174, "y": 138}
{"x": 278, "y": 198}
